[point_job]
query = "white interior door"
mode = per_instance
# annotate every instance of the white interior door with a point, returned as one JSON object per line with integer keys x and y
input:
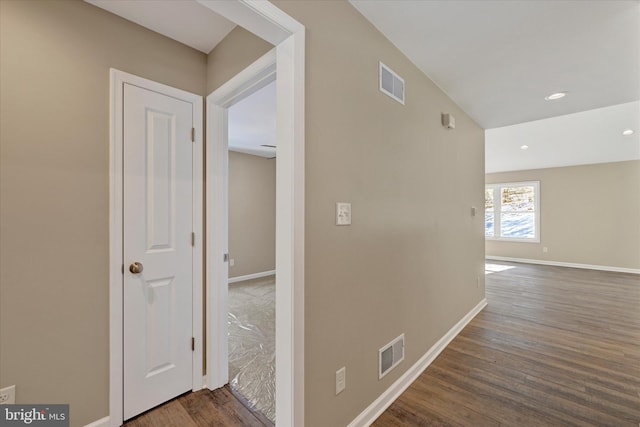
{"x": 158, "y": 226}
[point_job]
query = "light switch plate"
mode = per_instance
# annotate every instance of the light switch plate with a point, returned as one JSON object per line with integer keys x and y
{"x": 343, "y": 213}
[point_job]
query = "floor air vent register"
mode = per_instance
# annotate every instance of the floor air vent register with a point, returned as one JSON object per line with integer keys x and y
{"x": 390, "y": 356}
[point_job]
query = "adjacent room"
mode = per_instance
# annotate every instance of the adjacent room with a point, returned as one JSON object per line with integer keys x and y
{"x": 252, "y": 247}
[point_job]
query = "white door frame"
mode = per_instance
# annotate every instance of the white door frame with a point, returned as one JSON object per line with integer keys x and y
{"x": 273, "y": 25}
{"x": 118, "y": 80}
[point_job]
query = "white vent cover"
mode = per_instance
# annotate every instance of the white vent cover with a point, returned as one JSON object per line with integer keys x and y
{"x": 390, "y": 355}
{"x": 391, "y": 83}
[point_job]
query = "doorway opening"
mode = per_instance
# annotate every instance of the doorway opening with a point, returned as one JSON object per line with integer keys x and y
{"x": 252, "y": 221}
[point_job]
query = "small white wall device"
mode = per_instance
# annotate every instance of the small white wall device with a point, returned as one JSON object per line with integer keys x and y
{"x": 343, "y": 213}
{"x": 448, "y": 121}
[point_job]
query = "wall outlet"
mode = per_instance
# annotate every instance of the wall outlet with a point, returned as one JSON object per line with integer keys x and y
{"x": 545, "y": 249}
{"x": 343, "y": 213}
{"x": 8, "y": 395}
{"x": 341, "y": 380}
{"x": 232, "y": 262}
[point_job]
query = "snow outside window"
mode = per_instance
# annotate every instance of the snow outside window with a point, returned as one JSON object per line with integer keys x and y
{"x": 512, "y": 211}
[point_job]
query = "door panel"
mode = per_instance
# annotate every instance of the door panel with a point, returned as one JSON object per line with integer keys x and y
{"x": 158, "y": 217}
{"x": 160, "y": 188}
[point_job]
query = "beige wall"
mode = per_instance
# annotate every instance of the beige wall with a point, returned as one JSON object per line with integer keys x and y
{"x": 589, "y": 215}
{"x": 54, "y": 190}
{"x": 252, "y": 214}
{"x": 233, "y": 54}
{"x": 410, "y": 260}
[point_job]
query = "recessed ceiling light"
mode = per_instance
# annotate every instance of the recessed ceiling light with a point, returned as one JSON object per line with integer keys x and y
{"x": 555, "y": 96}
{"x": 524, "y": 147}
{"x": 628, "y": 132}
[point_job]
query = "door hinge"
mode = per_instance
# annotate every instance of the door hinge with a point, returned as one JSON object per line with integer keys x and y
{"x": 193, "y": 344}
{"x": 193, "y": 239}
{"x": 122, "y": 268}
{"x": 193, "y": 134}
{"x": 225, "y": 257}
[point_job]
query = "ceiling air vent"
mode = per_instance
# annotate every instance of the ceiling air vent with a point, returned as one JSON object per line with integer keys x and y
{"x": 390, "y": 355}
{"x": 391, "y": 83}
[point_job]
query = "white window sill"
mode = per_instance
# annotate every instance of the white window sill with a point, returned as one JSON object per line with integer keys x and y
{"x": 509, "y": 239}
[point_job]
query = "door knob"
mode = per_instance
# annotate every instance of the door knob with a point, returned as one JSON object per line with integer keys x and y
{"x": 136, "y": 268}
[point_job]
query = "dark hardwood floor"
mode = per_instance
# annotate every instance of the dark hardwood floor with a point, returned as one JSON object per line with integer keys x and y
{"x": 554, "y": 347}
{"x": 222, "y": 407}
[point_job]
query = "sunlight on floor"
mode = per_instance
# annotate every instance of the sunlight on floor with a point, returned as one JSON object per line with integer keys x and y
{"x": 496, "y": 268}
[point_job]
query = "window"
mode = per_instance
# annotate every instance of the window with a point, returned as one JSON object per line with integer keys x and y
{"x": 512, "y": 211}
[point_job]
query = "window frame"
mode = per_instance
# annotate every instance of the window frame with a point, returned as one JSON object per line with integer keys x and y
{"x": 497, "y": 211}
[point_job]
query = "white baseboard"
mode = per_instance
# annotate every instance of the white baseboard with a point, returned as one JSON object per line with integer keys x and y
{"x": 565, "y": 264}
{"x": 102, "y": 422}
{"x": 251, "y": 276}
{"x": 373, "y": 411}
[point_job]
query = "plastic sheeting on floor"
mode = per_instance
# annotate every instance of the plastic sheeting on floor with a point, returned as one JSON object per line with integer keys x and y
{"x": 252, "y": 346}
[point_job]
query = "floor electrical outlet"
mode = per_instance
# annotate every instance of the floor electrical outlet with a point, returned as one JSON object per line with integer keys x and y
{"x": 341, "y": 380}
{"x": 8, "y": 395}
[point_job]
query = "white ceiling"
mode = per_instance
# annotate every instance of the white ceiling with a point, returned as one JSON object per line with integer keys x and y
{"x": 252, "y": 123}
{"x": 499, "y": 59}
{"x": 593, "y": 136}
{"x": 188, "y": 22}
